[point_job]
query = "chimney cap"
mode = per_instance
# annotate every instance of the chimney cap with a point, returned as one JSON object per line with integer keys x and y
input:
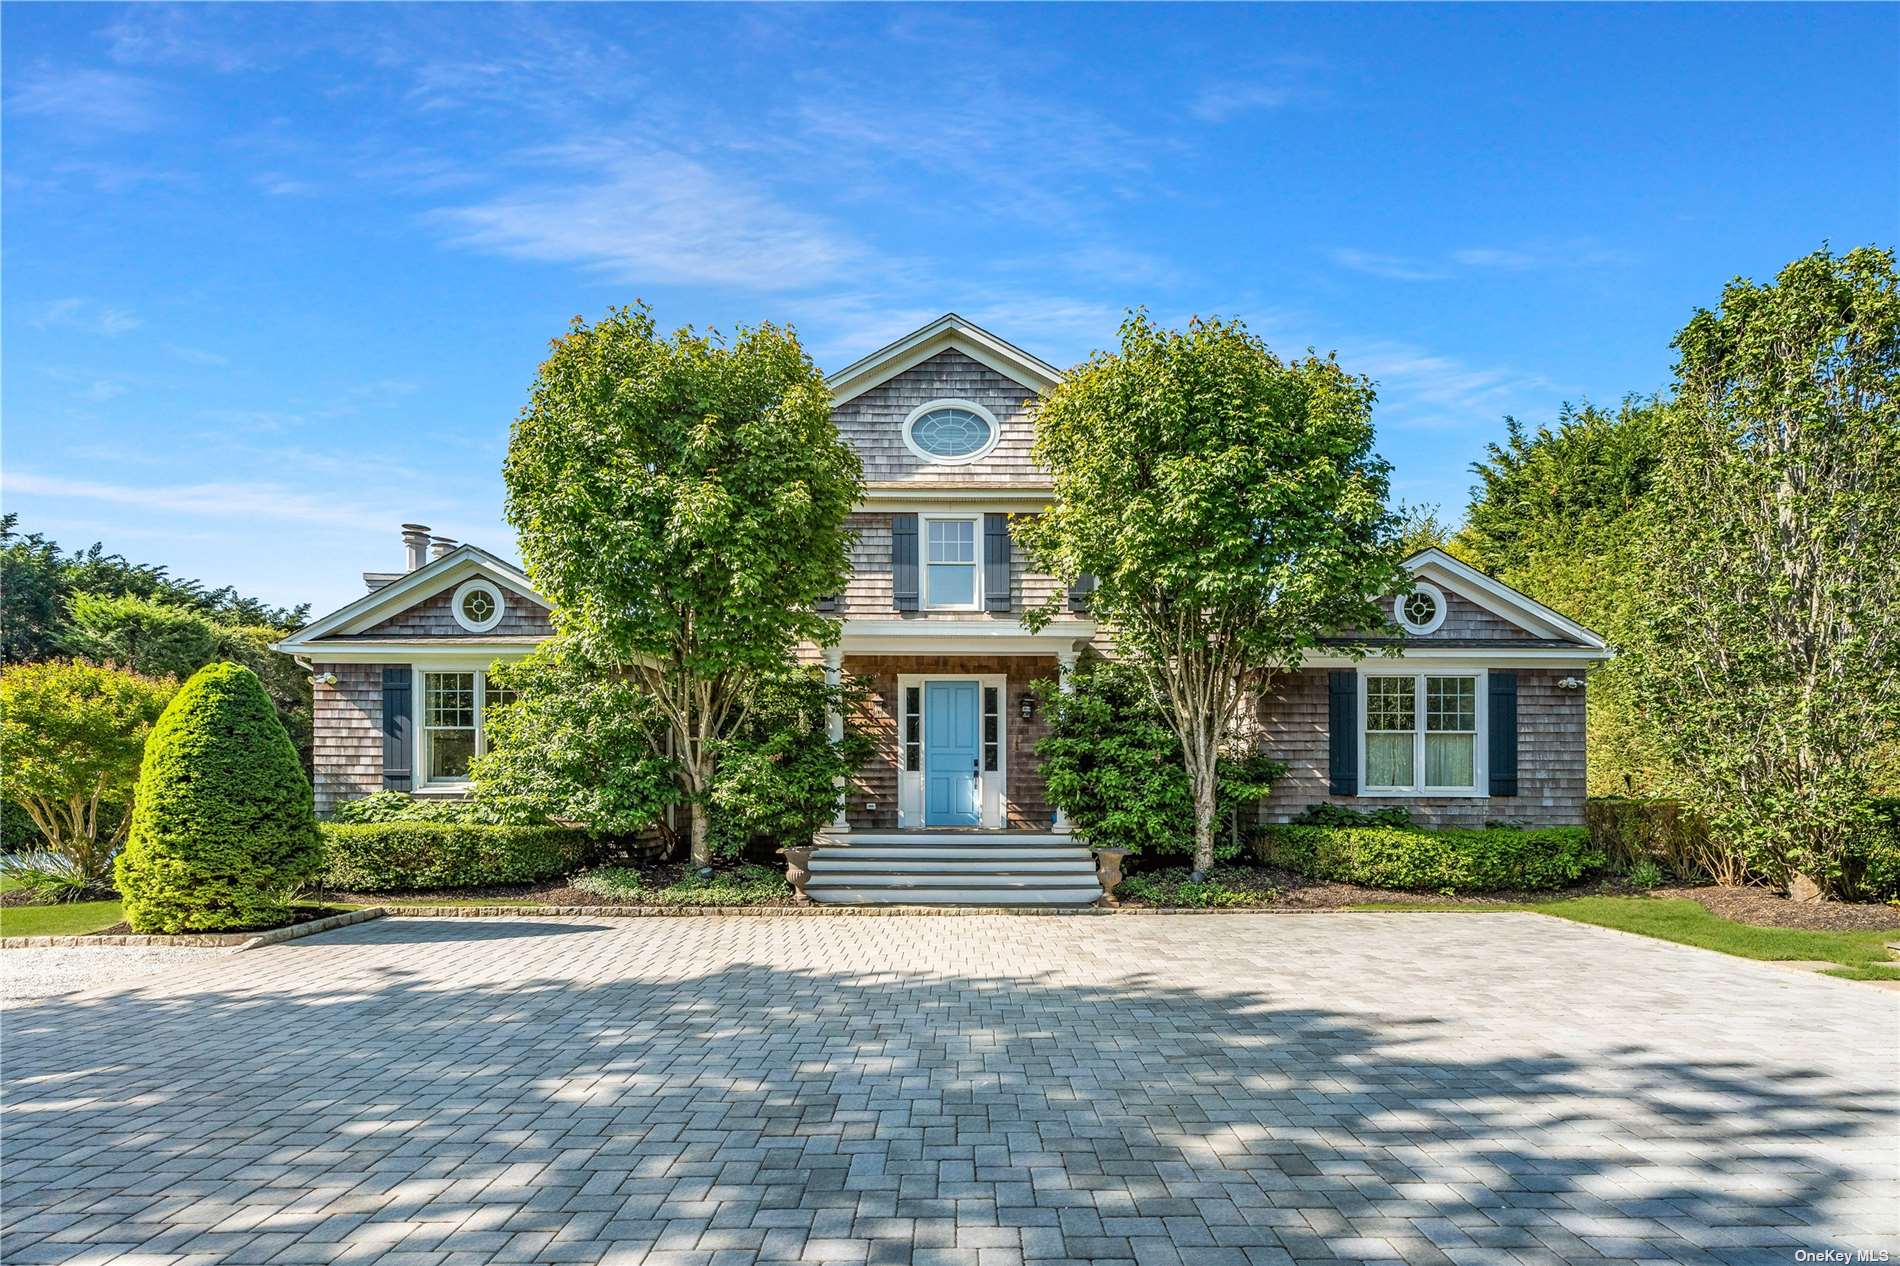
{"x": 416, "y": 527}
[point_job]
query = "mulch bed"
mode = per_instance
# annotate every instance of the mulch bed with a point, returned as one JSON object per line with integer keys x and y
{"x": 302, "y": 914}
{"x": 1765, "y": 909}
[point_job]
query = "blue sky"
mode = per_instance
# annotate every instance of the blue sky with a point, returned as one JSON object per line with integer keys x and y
{"x": 277, "y": 277}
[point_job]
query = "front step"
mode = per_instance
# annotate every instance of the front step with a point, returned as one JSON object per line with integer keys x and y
{"x": 953, "y": 868}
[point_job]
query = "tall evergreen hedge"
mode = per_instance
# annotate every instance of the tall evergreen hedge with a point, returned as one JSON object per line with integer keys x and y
{"x": 223, "y": 828}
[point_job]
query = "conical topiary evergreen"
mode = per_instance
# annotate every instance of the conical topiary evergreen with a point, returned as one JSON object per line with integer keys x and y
{"x": 223, "y": 827}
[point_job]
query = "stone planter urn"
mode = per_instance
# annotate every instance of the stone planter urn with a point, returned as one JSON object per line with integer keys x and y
{"x": 1108, "y": 869}
{"x": 798, "y": 871}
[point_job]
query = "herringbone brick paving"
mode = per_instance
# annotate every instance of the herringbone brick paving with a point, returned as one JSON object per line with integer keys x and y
{"x": 895, "y": 1091}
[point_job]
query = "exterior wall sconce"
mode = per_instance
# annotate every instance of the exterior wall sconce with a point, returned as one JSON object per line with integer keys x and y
{"x": 1570, "y": 683}
{"x": 325, "y": 679}
{"x": 1028, "y": 705}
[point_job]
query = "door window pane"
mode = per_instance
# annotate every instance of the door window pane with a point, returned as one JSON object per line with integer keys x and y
{"x": 992, "y": 727}
{"x": 913, "y": 729}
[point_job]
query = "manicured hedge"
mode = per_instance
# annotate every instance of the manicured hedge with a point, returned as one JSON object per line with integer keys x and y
{"x": 1477, "y": 860}
{"x": 416, "y": 855}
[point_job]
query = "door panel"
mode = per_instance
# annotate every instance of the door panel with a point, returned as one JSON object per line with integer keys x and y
{"x": 952, "y": 754}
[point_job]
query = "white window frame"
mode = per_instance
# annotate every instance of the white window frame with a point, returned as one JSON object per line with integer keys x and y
{"x": 937, "y": 459}
{"x": 470, "y": 586}
{"x": 1481, "y": 739}
{"x": 992, "y": 785}
{"x": 976, "y": 562}
{"x": 419, "y": 692}
{"x": 1432, "y": 625}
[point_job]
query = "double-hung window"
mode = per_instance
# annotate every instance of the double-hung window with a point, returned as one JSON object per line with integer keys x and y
{"x": 453, "y": 705}
{"x": 1421, "y": 732}
{"x": 950, "y": 570}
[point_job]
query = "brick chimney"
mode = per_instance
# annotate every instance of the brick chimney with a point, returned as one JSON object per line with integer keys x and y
{"x": 415, "y": 541}
{"x": 441, "y": 546}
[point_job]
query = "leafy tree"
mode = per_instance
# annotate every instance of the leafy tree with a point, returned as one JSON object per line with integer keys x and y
{"x": 161, "y": 638}
{"x": 778, "y": 777}
{"x": 1114, "y": 765}
{"x": 575, "y": 743}
{"x": 1766, "y": 634}
{"x": 682, "y": 502}
{"x": 1420, "y": 528}
{"x": 71, "y": 737}
{"x": 1556, "y": 514}
{"x": 38, "y": 581}
{"x": 1231, "y": 510}
{"x": 223, "y": 829}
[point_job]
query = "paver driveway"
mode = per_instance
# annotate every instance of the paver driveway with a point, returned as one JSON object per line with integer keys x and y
{"x": 956, "y": 1092}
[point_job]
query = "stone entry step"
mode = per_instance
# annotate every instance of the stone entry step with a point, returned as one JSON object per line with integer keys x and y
{"x": 971, "y": 868}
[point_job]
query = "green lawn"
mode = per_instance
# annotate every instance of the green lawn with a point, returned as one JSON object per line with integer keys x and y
{"x": 1862, "y": 955}
{"x": 74, "y": 918}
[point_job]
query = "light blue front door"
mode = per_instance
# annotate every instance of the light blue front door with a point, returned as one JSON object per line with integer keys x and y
{"x": 950, "y": 754}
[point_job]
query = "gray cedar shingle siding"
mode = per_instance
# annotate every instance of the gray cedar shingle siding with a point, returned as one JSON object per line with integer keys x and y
{"x": 435, "y": 617}
{"x": 868, "y": 594}
{"x": 873, "y": 423}
{"x": 1466, "y": 619}
{"x": 1550, "y": 756}
{"x": 347, "y": 733}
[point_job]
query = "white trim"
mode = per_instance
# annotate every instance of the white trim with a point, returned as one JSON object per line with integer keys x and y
{"x": 1578, "y": 657}
{"x": 415, "y": 650}
{"x": 1430, "y": 626}
{"x": 976, "y": 563}
{"x": 947, "y": 331}
{"x": 925, "y": 496}
{"x": 414, "y": 587}
{"x": 1480, "y": 739}
{"x": 1502, "y": 600}
{"x": 961, "y": 459}
{"x": 479, "y": 584}
{"x": 950, "y": 637}
{"x": 992, "y": 785}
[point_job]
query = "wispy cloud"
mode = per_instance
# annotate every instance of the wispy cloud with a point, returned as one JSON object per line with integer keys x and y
{"x": 86, "y": 316}
{"x": 102, "y": 100}
{"x": 1391, "y": 267}
{"x": 196, "y": 355}
{"x": 1421, "y": 389}
{"x": 1581, "y": 254}
{"x": 653, "y": 216}
{"x": 1217, "y": 103}
{"x": 247, "y": 500}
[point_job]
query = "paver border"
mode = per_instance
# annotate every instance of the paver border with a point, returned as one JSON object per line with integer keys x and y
{"x": 232, "y": 941}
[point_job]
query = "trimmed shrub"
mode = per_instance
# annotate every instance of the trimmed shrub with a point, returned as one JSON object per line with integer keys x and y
{"x": 1226, "y": 887}
{"x": 1479, "y": 860}
{"x": 1326, "y": 813}
{"x": 412, "y": 856}
{"x": 400, "y": 806}
{"x": 223, "y": 828}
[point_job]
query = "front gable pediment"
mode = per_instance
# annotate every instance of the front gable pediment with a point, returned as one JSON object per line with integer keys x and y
{"x": 1479, "y": 608}
{"x": 420, "y": 604}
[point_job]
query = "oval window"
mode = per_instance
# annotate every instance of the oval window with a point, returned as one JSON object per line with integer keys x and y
{"x": 950, "y": 432}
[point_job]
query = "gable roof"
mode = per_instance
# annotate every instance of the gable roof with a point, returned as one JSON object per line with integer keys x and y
{"x": 947, "y": 331}
{"x": 1500, "y": 599}
{"x": 409, "y": 589}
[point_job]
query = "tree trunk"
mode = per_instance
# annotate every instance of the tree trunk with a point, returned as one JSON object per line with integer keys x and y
{"x": 1202, "y": 772}
{"x": 702, "y": 846}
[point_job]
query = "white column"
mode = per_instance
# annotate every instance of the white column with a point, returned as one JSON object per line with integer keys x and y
{"x": 1065, "y": 665}
{"x": 834, "y": 721}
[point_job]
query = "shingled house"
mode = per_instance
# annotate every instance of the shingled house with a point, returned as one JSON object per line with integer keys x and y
{"x": 1479, "y": 718}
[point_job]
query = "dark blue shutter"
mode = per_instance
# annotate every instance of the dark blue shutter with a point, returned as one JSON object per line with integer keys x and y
{"x": 398, "y": 729}
{"x": 904, "y": 562}
{"x": 1342, "y": 733}
{"x": 1080, "y": 592}
{"x": 1503, "y": 749}
{"x": 996, "y": 562}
